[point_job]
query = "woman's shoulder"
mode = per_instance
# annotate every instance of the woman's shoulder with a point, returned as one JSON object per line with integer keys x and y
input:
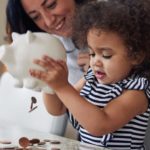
{"x": 67, "y": 42}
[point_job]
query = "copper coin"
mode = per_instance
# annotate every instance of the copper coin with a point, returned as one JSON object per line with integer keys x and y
{"x": 47, "y": 140}
{"x": 24, "y": 142}
{"x": 33, "y": 99}
{"x": 32, "y": 109}
{"x": 55, "y": 142}
{"x": 42, "y": 143}
{"x": 34, "y": 141}
{"x": 21, "y": 149}
{"x": 5, "y": 142}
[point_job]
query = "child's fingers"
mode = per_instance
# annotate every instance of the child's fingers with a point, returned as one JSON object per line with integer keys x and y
{"x": 46, "y": 64}
{"x": 63, "y": 64}
{"x": 51, "y": 65}
{"x": 49, "y": 59}
{"x": 37, "y": 74}
{"x": 41, "y": 75}
{"x": 55, "y": 64}
{"x": 40, "y": 62}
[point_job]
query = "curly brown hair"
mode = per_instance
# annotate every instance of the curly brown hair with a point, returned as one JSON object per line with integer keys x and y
{"x": 130, "y": 19}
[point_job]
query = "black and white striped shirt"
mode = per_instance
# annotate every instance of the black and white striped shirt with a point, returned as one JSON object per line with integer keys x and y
{"x": 131, "y": 136}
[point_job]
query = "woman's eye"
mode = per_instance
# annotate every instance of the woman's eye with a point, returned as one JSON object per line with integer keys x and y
{"x": 35, "y": 18}
{"x": 92, "y": 55}
{"x": 52, "y": 5}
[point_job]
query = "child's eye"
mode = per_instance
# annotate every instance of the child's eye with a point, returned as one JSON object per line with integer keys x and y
{"x": 92, "y": 55}
{"x": 107, "y": 56}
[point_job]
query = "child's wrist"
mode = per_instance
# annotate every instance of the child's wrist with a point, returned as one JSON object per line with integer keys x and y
{"x": 62, "y": 88}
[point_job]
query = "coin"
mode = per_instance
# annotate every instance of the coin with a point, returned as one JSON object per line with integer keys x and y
{"x": 34, "y": 141}
{"x": 55, "y": 142}
{"x": 47, "y": 140}
{"x": 42, "y": 143}
{"x": 5, "y": 142}
{"x": 24, "y": 142}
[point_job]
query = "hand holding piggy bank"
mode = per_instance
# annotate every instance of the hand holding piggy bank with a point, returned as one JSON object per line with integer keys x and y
{"x": 19, "y": 55}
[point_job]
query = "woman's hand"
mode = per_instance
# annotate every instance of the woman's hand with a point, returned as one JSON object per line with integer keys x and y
{"x": 83, "y": 60}
{"x": 55, "y": 72}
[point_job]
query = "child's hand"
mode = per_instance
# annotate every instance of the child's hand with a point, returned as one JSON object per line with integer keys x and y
{"x": 55, "y": 72}
{"x": 83, "y": 60}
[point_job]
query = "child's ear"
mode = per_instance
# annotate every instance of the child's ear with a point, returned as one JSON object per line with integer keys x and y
{"x": 138, "y": 58}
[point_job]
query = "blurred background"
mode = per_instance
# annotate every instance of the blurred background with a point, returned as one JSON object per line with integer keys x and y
{"x": 2, "y": 21}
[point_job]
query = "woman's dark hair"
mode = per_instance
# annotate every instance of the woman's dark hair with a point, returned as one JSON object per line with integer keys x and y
{"x": 80, "y": 1}
{"x": 17, "y": 19}
{"x": 130, "y": 19}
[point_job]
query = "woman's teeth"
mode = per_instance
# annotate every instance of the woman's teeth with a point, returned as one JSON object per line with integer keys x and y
{"x": 59, "y": 26}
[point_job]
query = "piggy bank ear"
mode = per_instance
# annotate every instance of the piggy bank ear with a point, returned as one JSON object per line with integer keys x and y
{"x": 30, "y": 36}
{"x": 15, "y": 35}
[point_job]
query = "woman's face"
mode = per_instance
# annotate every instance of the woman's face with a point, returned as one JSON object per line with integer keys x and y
{"x": 52, "y": 16}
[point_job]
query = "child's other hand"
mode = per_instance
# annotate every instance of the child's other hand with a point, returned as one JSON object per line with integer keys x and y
{"x": 55, "y": 72}
{"x": 83, "y": 60}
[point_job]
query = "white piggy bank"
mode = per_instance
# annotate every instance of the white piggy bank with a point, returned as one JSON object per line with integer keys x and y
{"x": 18, "y": 57}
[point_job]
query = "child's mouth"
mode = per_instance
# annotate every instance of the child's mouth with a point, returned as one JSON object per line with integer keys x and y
{"x": 100, "y": 75}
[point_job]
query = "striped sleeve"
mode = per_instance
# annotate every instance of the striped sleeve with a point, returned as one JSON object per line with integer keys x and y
{"x": 89, "y": 76}
{"x": 73, "y": 121}
{"x": 138, "y": 83}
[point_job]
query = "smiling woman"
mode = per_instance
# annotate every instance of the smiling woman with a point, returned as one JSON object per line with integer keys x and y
{"x": 51, "y": 16}
{"x": 29, "y": 17}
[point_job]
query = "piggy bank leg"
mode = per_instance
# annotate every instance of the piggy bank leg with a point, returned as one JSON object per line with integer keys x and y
{"x": 18, "y": 83}
{"x": 30, "y": 83}
{"x": 37, "y": 88}
{"x": 48, "y": 90}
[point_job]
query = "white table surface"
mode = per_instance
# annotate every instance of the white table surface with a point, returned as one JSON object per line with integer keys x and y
{"x": 12, "y": 132}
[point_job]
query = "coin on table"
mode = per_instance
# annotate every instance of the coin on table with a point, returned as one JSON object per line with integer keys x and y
{"x": 55, "y": 142}
{"x": 42, "y": 143}
{"x": 47, "y": 140}
{"x": 8, "y": 146}
{"x": 35, "y": 141}
{"x": 5, "y": 142}
{"x": 24, "y": 142}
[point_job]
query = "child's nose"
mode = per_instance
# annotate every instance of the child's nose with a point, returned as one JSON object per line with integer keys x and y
{"x": 98, "y": 61}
